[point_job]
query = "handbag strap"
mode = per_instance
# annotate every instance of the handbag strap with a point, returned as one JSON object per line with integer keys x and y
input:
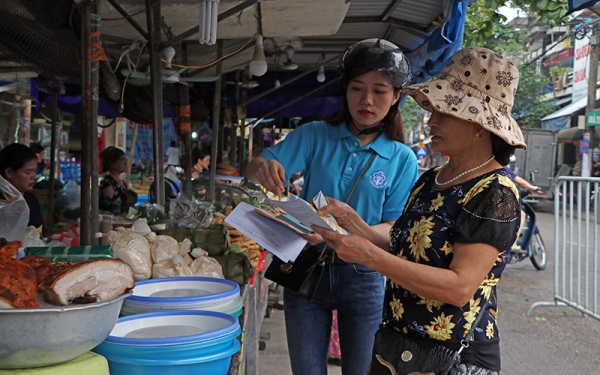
{"x": 464, "y": 343}
{"x": 362, "y": 172}
{"x": 323, "y": 255}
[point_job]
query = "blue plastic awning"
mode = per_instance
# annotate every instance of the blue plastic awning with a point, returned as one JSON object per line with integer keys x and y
{"x": 427, "y": 61}
{"x": 432, "y": 56}
{"x": 559, "y": 120}
{"x": 579, "y": 4}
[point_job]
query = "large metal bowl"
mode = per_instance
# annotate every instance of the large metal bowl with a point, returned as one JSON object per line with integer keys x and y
{"x": 54, "y": 334}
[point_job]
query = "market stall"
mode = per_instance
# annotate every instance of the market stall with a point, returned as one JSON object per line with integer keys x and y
{"x": 189, "y": 242}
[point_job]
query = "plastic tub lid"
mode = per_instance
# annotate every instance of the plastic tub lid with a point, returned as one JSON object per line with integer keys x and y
{"x": 177, "y": 290}
{"x": 172, "y": 327}
{"x": 132, "y": 307}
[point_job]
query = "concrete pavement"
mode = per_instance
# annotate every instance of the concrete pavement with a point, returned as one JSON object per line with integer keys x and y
{"x": 553, "y": 340}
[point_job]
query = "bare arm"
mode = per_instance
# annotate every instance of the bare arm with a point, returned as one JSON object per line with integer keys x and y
{"x": 525, "y": 184}
{"x": 108, "y": 192}
{"x": 384, "y": 228}
{"x": 455, "y": 285}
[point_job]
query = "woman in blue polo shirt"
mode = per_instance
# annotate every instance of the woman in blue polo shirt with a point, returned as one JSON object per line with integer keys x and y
{"x": 331, "y": 155}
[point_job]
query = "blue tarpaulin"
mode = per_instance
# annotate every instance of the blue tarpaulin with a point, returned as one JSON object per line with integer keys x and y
{"x": 71, "y": 103}
{"x": 580, "y": 4}
{"x": 426, "y": 61}
{"x": 432, "y": 56}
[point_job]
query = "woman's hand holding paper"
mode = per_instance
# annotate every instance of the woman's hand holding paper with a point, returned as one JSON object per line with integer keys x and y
{"x": 350, "y": 248}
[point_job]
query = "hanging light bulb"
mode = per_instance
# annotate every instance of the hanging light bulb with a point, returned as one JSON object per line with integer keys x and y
{"x": 258, "y": 65}
{"x": 321, "y": 75}
{"x": 168, "y": 54}
{"x": 277, "y": 83}
{"x": 207, "y": 27}
{"x": 289, "y": 52}
{"x": 169, "y": 75}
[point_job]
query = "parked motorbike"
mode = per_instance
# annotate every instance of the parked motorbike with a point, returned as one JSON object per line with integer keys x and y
{"x": 530, "y": 242}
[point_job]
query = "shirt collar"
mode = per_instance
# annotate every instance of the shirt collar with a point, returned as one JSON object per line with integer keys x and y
{"x": 381, "y": 145}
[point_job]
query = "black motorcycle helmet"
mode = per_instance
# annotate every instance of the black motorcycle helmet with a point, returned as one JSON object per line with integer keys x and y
{"x": 375, "y": 54}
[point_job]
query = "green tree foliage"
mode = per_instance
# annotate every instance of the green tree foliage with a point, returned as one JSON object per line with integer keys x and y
{"x": 529, "y": 108}
{"x": 486, "y": 28}
{"x": 410, "y": 114}
{"x": 548, "y": 12}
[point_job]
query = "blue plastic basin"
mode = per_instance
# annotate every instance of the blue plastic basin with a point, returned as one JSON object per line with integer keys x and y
{"x": 207, "y": 352}
{"x": 213, "y": 290}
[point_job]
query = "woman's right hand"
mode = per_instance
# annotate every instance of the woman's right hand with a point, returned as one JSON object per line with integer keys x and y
{"x": 345, "y": 215}
{"x": 269, "y": 174}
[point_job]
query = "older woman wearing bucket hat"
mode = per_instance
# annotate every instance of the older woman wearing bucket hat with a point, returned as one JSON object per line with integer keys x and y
{"x": 450, "y": 246}
{"x": 356, "y": 156}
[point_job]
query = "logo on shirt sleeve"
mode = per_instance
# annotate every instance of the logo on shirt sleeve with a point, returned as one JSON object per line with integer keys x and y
{"x": 378, "y": 179}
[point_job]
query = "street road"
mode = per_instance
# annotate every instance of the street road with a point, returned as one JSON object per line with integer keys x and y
{"x": 552, "y": 340}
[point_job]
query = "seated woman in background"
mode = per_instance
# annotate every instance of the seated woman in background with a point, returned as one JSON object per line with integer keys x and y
{"x": 18, "y": 165}
{"x": 201, "y": 163}
{"x": 38, "y": 149}
{"x": 115, "y": 196}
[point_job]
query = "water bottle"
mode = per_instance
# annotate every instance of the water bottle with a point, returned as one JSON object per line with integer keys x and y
{"x": 63, "y": 169}
{"x": 78, "y": 166}
{"x": 73, "y": 169}
{"x": 66, "y": 171}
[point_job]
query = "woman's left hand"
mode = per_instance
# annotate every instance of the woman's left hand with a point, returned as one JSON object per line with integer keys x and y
{"x": 313, "y": 238}
{"x": 350, "y": 248}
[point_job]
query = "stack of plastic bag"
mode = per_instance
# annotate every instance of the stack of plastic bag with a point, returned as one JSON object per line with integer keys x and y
{"x": 14, "y": 212}
{"x": 159, "y": 256}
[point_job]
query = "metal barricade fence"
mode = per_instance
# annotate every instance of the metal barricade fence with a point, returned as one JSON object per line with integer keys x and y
{"x": 576, "y": 260}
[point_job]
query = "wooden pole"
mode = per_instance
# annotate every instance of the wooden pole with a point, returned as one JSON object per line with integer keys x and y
{"x": 216, "y": 110}
{"x": 53, "y": 162}
{"x": 242, "y": 147}
{"x": 153, "y": 18}
{"x": 89, "y": 130}
{"x": 131, "y": 153}
{"x": 184, "y": 100}
{"x": 25, "y": 129}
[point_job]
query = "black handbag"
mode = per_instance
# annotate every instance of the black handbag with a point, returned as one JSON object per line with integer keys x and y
{"x": 397, "y": 353}
{"x": 303, "y": 275}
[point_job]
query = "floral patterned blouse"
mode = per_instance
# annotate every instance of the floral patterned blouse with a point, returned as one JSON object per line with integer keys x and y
{"x": 484, "y": 209}
{"x": 117, "y": 204}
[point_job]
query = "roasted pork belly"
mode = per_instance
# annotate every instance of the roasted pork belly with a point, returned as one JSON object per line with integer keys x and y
{"x": 41, "y": 265}
{"x": 9, "y": 249}
{"x": 18, "y": 285}
{"x": 89, "y": 281}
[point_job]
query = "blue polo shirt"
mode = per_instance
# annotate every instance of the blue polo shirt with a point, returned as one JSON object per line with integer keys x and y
{"x": 332, "y": 158}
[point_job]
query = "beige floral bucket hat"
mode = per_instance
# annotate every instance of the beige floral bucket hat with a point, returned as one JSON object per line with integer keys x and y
{"x": 477, "y": 85}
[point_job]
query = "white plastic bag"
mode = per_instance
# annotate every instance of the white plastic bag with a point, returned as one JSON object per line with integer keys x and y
{"x": 207, "y": 267}
{"x": 32, "y": 238}
{"x": 133, "y": 249}
{"x": 14, "y": 212}
{"x": 164, "y": 248}
{"x": 141, "y": 226}
{"x": 70, "y": 196}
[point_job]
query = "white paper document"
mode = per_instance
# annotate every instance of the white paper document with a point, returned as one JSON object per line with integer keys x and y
{"x": 307, "y": 215}
{"x": 274, "y": 237}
